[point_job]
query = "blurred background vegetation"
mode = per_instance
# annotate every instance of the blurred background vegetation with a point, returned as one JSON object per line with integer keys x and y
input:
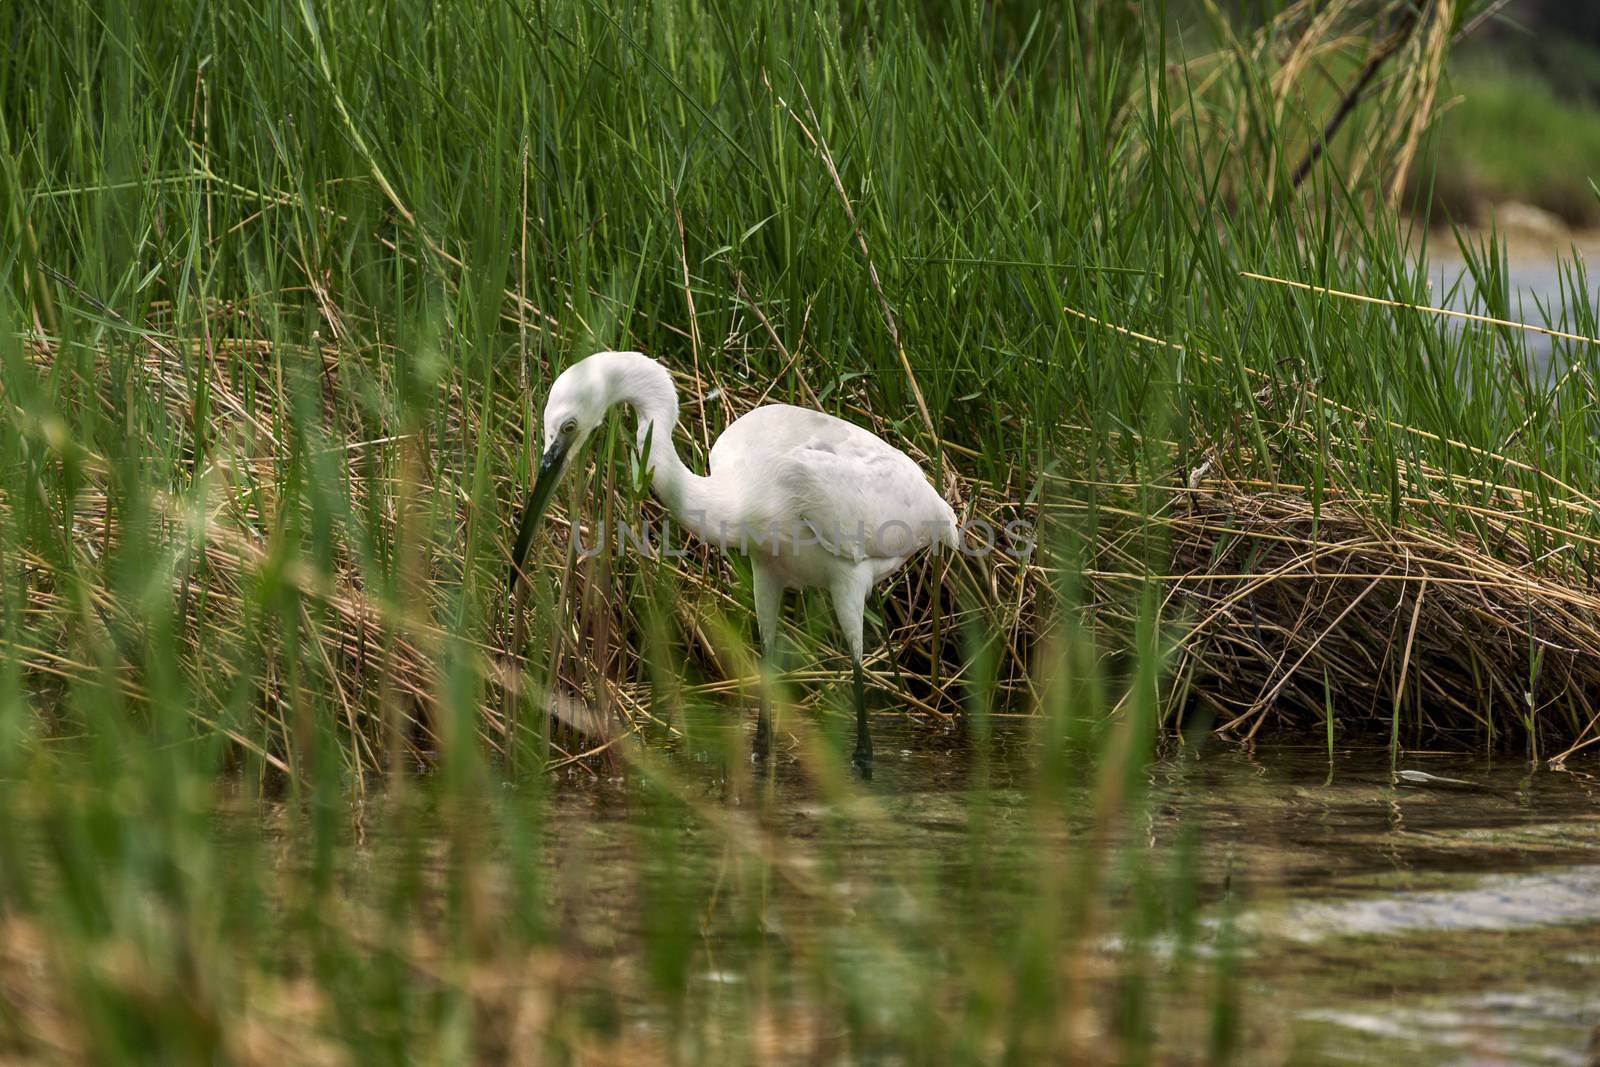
{"x": 1523, "y": 121}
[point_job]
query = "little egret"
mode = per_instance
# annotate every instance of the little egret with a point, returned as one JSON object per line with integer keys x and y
{"x": 816, "y": 502}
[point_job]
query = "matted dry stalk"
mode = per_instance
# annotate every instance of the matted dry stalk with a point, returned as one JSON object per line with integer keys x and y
{"x": 1296, "y": 612}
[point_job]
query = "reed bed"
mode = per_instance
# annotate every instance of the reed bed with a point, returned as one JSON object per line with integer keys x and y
{"x": 282, "y": 288}
{"x": 310, "y": 400}
{"x": 1323, "y": 616}
{"x": 379, "y": 656}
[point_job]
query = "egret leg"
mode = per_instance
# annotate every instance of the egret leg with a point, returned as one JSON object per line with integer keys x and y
{"x": 861, "y": 760}
{"x": 850, "y": 605}
{"x": 769, "y": 605}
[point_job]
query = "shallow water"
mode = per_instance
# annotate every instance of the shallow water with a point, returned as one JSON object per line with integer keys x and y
{"x": 1537, "y": 281}
{"x": 1449, "y": 921}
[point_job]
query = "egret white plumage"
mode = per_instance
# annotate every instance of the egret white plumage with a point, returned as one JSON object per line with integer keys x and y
{"x": 815, "y": 501}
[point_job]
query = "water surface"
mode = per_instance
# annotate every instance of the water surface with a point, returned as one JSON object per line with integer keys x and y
{"x": 1450, "y": 915}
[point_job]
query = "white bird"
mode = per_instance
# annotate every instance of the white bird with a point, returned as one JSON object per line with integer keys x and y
{"x": 816, "y": 502}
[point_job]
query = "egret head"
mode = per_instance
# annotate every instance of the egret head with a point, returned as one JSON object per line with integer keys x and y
{"x": 575, "y": 407}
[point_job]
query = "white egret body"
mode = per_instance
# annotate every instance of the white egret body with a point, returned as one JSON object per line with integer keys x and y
{"x": 816, "y": 502}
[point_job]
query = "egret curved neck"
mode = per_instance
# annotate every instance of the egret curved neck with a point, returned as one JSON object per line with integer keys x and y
{"x": 647, "y": 388}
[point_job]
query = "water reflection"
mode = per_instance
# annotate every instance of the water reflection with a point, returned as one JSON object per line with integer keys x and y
{"x": 1455, "y": 904}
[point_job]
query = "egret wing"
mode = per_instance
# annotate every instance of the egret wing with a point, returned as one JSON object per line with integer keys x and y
{"x": 864, "y": 500}
{"x": 805, "y": 474}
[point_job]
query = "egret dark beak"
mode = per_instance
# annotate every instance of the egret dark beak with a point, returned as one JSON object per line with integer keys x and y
{"x": 551, "y": 467}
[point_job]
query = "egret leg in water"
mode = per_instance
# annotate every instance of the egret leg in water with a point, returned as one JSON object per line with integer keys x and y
{"x": 769, "y": 609}
{"x": 817, "y": 502}
{"x": 862, "y": 760}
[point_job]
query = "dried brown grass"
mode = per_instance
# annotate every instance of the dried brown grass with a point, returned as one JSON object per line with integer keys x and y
{"x": 1300, "y": 611}
{"x": 1449, "y": 609}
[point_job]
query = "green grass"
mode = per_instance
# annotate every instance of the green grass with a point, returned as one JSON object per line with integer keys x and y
{"x": 284, "y": 286}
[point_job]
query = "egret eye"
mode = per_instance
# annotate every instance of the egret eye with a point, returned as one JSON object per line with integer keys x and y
{"x": 569, "y": 427}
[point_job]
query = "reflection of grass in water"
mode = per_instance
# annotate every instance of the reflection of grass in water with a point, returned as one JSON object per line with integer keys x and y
{"x": 1512, "y": 994}
{"x": 1510, "y": 137}
{"x": 667, "y": 921}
